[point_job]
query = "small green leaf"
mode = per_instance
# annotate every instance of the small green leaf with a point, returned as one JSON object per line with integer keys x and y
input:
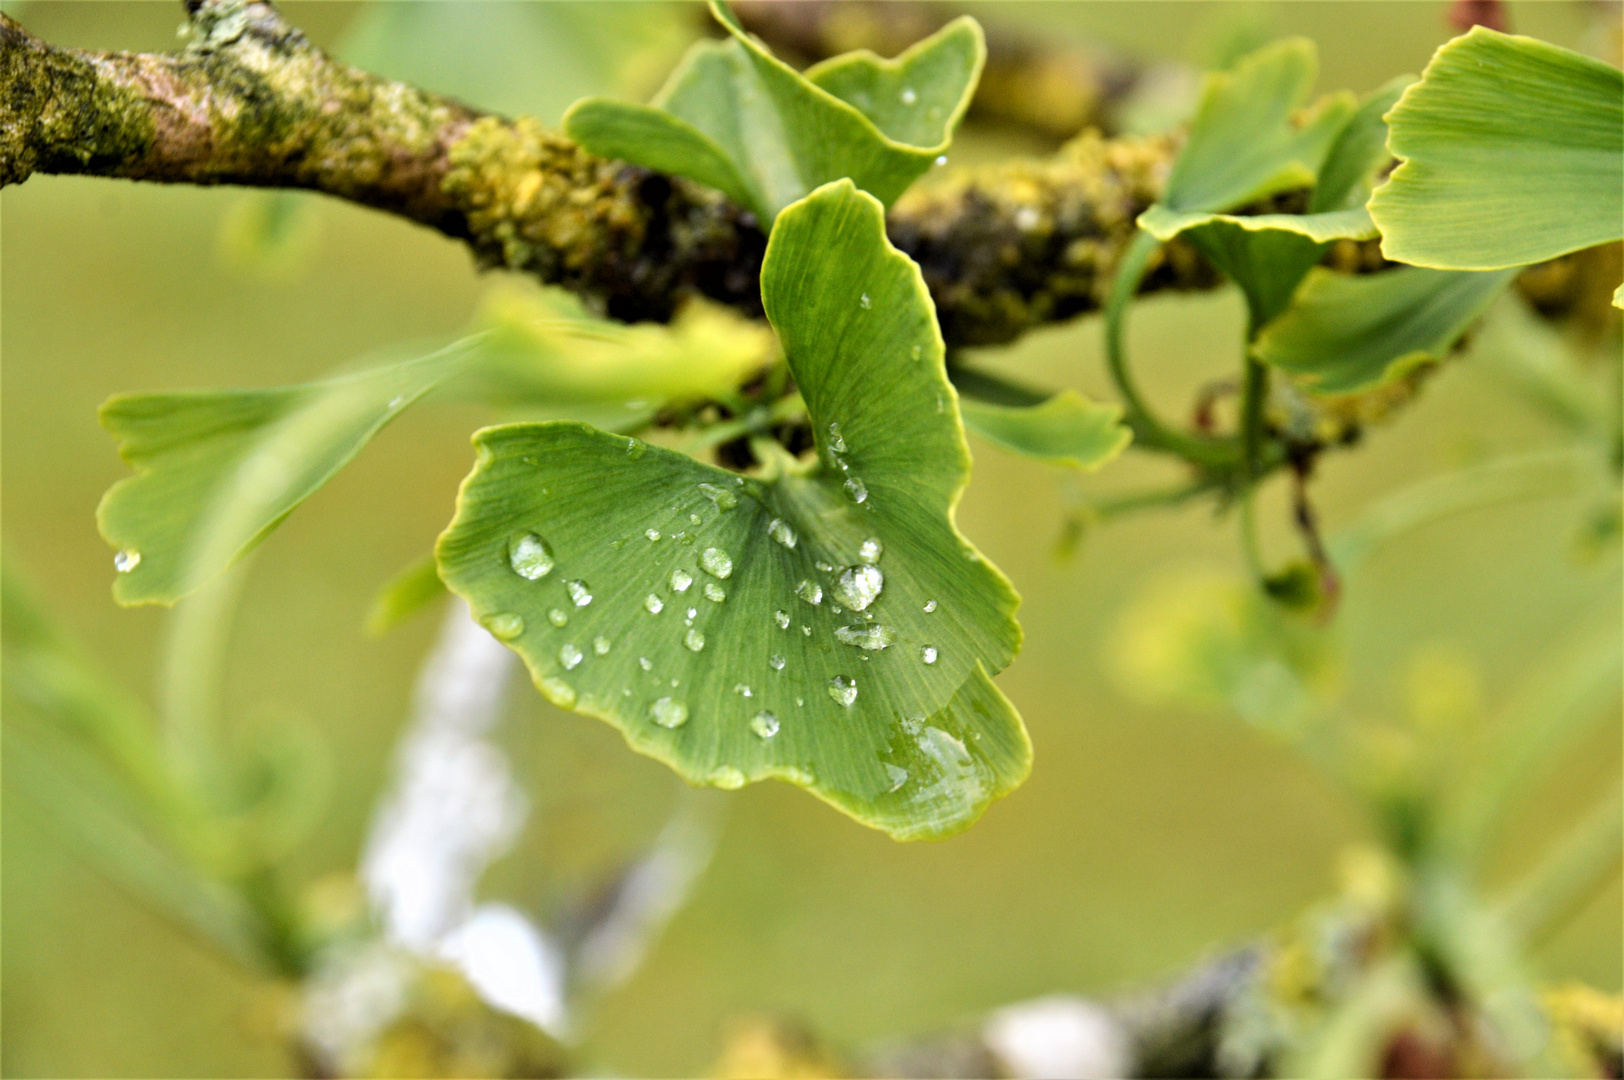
{"x": 1348, "y": 332}
{"x": 405, "y": 594}
{"x": 1360, "y": 150}
{"x": 216, "y": 471}
{"x": 736, "y": 118}
{"x": 824, "y": 623}
{"x": 1513, "y": 152}
{"x": 1068, "y": 429}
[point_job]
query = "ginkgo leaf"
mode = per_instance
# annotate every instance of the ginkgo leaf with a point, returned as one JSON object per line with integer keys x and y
{"x": 1349, "y": 332}
{"x": 824, "y": 622}
{"x": 1068, "y": 429}
{"x": 1358, "y": 152}
{"x": 1512, "y": 152}
{"x": 736, "y": 118}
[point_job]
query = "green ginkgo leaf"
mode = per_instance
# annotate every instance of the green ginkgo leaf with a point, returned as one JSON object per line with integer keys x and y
{"x": 1512, "y": 152}
{"x": 1348, "y": 332}
{"x": 822, "y": 623}
{"x": 1068, "y": 429}
{"x": 736, "y": 118}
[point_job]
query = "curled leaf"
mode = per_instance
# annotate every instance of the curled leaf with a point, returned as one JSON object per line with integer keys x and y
{"x": 1067, "y": 429}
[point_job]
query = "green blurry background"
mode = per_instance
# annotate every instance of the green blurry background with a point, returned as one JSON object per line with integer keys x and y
{"x": 1143, "y": 839}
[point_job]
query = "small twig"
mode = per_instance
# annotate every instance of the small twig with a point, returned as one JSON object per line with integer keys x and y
{"x": 1201, "y": 416}
{"x": 1302, "y": 467}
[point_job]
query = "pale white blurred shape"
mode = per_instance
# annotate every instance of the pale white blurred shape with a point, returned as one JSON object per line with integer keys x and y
{"x": 354, "y": 994}
{"x": 512, "y": 964}
{"x": 1058, "y": 1038}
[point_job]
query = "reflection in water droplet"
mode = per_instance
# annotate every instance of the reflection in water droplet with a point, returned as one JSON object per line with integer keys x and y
{"x": 716, "y": 562}
{"x": 859, "y": 586}
{"x": 930, "y": 606}
{"x": 645, "y": 663}
{"x": 775, "y": 662}
{"x": 780, "y": 530}
{"x": 680, "y": 580}
{"x": 694, "y": 640}
{"x": 531, "y": 558}
{"x": 928, "y": 654}
{"x": 601, "y": 645}
{"x": 837, "y": 442}
{"x": 810, "y": 591}
{"x": 558, "y": 618}
{"x": 714, "y": 592}
{"x": 743, "y": 690}
{"x": 558, "y": 692}
{"x": 652, "y": 534}
{"x": 579, "y": 593}
{"x": 765, "y": 724}
{"x": 865, "y": 302}
{"x": 654, "y": 604}
{"x": 126, "y": 560}
{"x": 722, "y": 497}
{"x": 782, "y": 619}
{"x": 871, "y": 638}
{"x": 505, "y": 625}
{"x": 843, "y": 690}
{"x": 898, "y": 775}
{"x": 569, "y": 656}
{"x": 871, "y": 551}
{"x": 856, "y": 489}
{"x": 669, "y": 713}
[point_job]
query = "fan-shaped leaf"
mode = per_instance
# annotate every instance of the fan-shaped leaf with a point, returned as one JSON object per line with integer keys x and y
{"x": 736, "y": 118}
{"x": 1513, "y": 153}
{"x": 824, "y": 623}
{"x": 1068, "y": 429}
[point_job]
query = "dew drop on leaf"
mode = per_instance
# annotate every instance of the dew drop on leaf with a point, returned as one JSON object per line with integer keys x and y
{"x": 652, "y": 534}
{"x": 569, "y": 656}
{"x": 654, "y": 604}
{"x": 722, "y": 497}
{"x": 505, "y": 625}
{"x": 714, "y": 592}
{"x": 716, "y": 562}
{"x": 856, "y": 489}
{"x": 530, "y": 558}
{"x": 690, "y": 615}
{"x": 837, "y": 442}
{"x": 645, "y": 663}
{"x": 865, "y": 302}
{"x": 930, "y": 606}
{"x": 636, "y": 448}
{"x": 765, "y": 724}
{"x": 859, "y": 586}
{"x": 558, "y": 692}
{"x": 669, "y": 712}
{"x": 601, "y": 645}
{"x": 810, "y": 591}
{"x": 908, "y": 95}
{"x": 928, "y": 654}
{"x": 870, "y": 638}
{"x": 126, "y": 560}
{"x": 782, "y": 619}
{"x": 680, "y": 580}
{"x": 897, "y": 775}
{"x": 743, "y": 690}
{"x": 727, "y": 778}
{"x": 558, "y": 617}
{"x": 693, "y": 640}
{"x": 843, "y": 690}
{"x": 780, "y": 530}
{"x": 775, "y": 662}
{"x": 806, "y": 631}
{"x": 871, "y": 551}
{"x": 579, "y": 593}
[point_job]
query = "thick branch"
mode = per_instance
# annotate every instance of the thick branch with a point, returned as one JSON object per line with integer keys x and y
{"x": 250, "y": 101}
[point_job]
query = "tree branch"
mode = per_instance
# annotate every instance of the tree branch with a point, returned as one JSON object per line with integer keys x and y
{"x": 251, "y": 101}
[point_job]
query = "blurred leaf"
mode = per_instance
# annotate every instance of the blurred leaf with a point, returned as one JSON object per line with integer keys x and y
{"x": 217, "y": 471}
{"x": 1513, "y": 152}
{"x": 1347, "y": 332}
{"x": 734, "y": 117}
{"x": 824, "y": 624}
{"x": 1360, "y": 150}
{"x": 1068, "y": 429}
{"x": 404, "y": 595}
{"x": 272, "y": 234}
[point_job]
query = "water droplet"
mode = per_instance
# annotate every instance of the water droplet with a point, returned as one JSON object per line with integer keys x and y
{"x": 810, "y": 591}
{"x": 680, "y": 580}
{"x": 915, "y": 352}
{"x": 645, "y": 663}
{"x": 908, "y": 95}
{"x": 780, "y": 530}
{"x": 806, "y": 631}
{"x": 941, "y": 159}
{"x": 859, "y": 586}
{"x": 531, "y": 558}
{"x": 693, "y": 640}
{"x": 714, "y": 592}
{"x": 871, "y": 551}
{"x": 897, "y": 775}
{"x": 871, "y": 638}
{"x": 636, "y": 448}
{"x": 126, "y": 560}
{"x": 569, "y": 656}
{"x": 800, "y": 702}
{"x": 765, "y": 724}
{"x": 782, "y": 619}
{"x": 669, "y": 712}
{"x": 654, "y": 604}
{"x": 601, "y": 645}
{"x": 865, "y": 302}
{"x": 843, "y": 690}
{"x": 775, "y": 662}
{"x": 716, "y": 562}
{"x": 722, "y": 497}
{"x": 743, "y": 690}
{"x": 928, "y": 654}
{"x": 824, "y": 567}
{"x": 837, "y": 609}
{"x": 695, "y": 519}
{"x": 652, "y": 534}
{"x": 579, "y": 593}
{"x": 558, "y": 692}
{"x": 558, "y": 617}
{"x": 689, "y": 615}
{"x": 837, "y": 442}
{"x": 727, "y": 778}
{"x": 505, "y": 625}
{"x": 856, "y": 489}
{"x": 930, "y": 606}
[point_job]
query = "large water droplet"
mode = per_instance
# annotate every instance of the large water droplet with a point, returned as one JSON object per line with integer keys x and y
{"x": 765, "y": 724}
{"x": 928, "y": 654}
{"x": 579, "y": 592}
{"x": 126, "y": 560}
{"x": 669, "y": 712}
{"x": 714, "y": 592}
{"x": 810, "y": 591}
{"x": 871, "y": 638}
{"x": 782, "y": 619}
{"x": 843, "y": 690}
{"x": 505, "y": 625}
{"x": 652, "y": 534}
{"x": 722, "y": 497}
{"x": 775, "y": 662}
{"x": 531, "y": 558}
{"x": 558, "y": 692}
{"x": 694, "y": 640}
{"x": 780, "y": 530}
{"x": 569, "y": 656}
{"x": 856, "y": 489}
{"x": 871, "y": 551}
{"x": 859, "y": 586}
{"x": 930, "y": 606}
{"x": 716, "y": 562}
{"x": 558, "y": 617}
{"x": 680, "y": 580}
{"x": 654, "y": 604}
{"x": 865, "y": 302}
{"x": 601, "y": 645}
